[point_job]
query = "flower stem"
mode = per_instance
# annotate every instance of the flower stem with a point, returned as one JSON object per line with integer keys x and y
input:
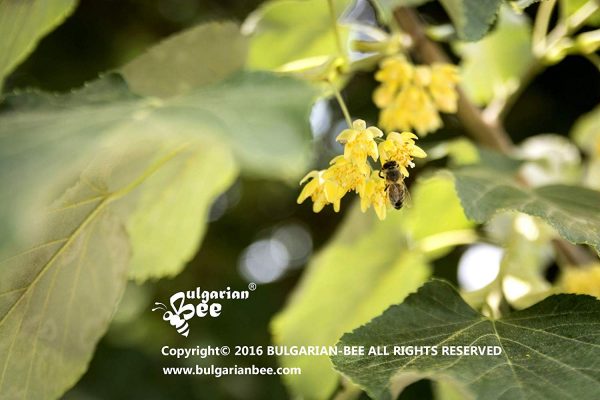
{"x": 540, "y": 28}
{"x": 342, "y": 104}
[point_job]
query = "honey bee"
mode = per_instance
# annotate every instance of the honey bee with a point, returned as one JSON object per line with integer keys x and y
{"x": 394, "y": 184}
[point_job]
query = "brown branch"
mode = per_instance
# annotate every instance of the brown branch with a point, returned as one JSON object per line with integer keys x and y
{"x": 488, "y": 133}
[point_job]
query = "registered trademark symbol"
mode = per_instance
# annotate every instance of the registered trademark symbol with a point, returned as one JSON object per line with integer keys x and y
{"x": 252, "y": 286}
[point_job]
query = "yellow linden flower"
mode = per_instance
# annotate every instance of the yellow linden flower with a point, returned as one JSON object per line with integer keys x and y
{"x": 373, "y": 194}
{"x": 401, "y": 148}
{"x": 582, "y": 280}
{"x": 444, "y": 78}
{"x": 384, "y": 95}
{"x": 346, "y": 174}
{"x": 394, "y": 73}
{"x": 359, "y": 142}
{"x": 321, "y": 191}
{"x": 412, "y": 108}
{"x": 410, "y": 97}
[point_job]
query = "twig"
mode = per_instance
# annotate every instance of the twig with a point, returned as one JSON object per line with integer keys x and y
{"x": 488, "y": 133}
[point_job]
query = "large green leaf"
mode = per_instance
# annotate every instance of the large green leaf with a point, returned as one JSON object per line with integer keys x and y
{"x": 472, "y": 18}
{"x": 548, "y": 351}
{"x": 57, "y": 297}
{"x": 573, "y": 211}
{"x": 44, "y": 138}
{"x": 368, "y": 266}
{"x": 102, "y": 181}
{"x": 23, "y": 23}
{"x": 204, "y": 54}
{"x": 283, "y": 31}
{"x": 492, "y": 67}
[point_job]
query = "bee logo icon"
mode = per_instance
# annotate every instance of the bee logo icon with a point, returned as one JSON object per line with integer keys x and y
{"x": 180, "y": 313}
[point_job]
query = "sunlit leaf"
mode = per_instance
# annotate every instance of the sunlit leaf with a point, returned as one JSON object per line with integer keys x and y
{"x": 44, "y": 138}
{"x": 283, "y": 31}
{"x": 103, "y": 180}
{"x": 492, "y": 67}
{"x": 472, "y": 18}
{"x": 198, "y": 56}
{"x": 369, "y": 265}
{"x": 23, "y": 23}
{"x": 170, "y": 217}
{"x": 586, "y": 133}
{"x": 548, "y": 351}
{"x": 573, "y": 211}
{"x": 58, "y": 296}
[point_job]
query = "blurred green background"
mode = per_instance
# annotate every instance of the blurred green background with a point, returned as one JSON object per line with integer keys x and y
{"x": 256, "y": 222}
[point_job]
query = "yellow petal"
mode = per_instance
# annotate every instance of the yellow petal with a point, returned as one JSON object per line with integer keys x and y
{"x": 312, "y": 174}
{"x": 373, "y": 151}
{"x": 318, "y": 206}
{"x": 416, "y": 151}
{"x": 403, "y": 170}
{"x": 333, "y": 191}
{"x": 307, "y": 191}
{"x": 347, "y": 135}
{"x": 374, "y": 132}
{"x": 336, "y": 206}
{"x": 408, "y": 135}
{"x": 380, "y": 210}
{"x": 394, "y": 137}
{"x": 359, "y": 125}
{"x": 364, "y": 204}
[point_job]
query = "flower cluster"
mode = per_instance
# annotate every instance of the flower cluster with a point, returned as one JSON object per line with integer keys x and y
{"x": 352, "y": 171}
{"x": 412, "y": 96}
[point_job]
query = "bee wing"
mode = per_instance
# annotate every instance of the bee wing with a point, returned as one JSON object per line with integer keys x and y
{"x": 407, "y": 197}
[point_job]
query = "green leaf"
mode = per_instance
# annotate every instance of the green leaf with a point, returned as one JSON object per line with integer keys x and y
{"x": 283, "y": 31}
{"x": 368, "y": 266}
{"x": 492, "y": 68}
{"x": 179, "y": 198}
{"x": 572, "y": 210}
{"x": 57, "y": 297}
{"x": 586, "y": 133}
{"x": 549, "y": 351}
{"x": 198, "y": 56}
{"x": 472, "y": 18}
{"x": 134, "y": 178}
{"x": 23, "y": 23}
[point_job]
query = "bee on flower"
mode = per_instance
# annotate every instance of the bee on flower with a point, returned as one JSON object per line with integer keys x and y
{"x": 411, "y": 97}
{"x": 353, "y": 171}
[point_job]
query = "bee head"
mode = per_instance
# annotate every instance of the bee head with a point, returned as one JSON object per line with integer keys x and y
{"x": 390, "y": 164}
